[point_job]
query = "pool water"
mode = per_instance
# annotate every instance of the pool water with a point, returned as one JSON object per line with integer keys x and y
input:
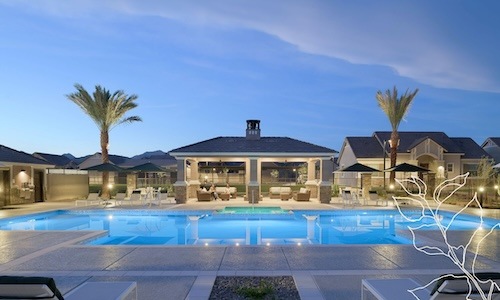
{"x": 150, "y": 227}
{"x": 252, "y": 210}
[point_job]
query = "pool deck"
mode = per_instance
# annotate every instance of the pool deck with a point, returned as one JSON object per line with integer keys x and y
{"x": 188, "y": 272}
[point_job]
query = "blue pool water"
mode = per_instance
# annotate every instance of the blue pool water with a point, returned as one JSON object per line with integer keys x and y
{"x": 149, "y": 227}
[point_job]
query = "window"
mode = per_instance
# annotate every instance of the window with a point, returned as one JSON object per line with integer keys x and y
{"x": 449, "y": 167}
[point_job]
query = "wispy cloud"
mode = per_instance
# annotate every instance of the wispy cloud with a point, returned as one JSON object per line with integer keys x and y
{"x": 402, "y": 36}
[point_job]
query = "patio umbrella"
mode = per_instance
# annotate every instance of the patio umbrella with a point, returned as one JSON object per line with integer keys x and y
{"x": 357, "y": 167}
{"x": 109, "y": 167}
{"x": 405, "y": 167}
{"x": 147, "y": 167}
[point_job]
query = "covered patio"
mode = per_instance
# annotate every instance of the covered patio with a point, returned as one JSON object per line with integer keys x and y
{"x": 254, "y": 164}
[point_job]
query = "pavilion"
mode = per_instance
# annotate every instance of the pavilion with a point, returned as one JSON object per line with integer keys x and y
{"x": 247, "y": 156}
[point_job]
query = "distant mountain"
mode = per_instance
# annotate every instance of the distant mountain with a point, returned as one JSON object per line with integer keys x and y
{"x": 149, "y": 155}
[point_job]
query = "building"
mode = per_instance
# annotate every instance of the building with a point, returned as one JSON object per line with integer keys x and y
{"x": 247, "y": 157}
{"x": 492, "y": 146}
{"x": 22, "y": 177}
{"x": 444, "y": 156}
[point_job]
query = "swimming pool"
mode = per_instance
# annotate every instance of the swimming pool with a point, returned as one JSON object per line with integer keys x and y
{"x": 151, "y": 227}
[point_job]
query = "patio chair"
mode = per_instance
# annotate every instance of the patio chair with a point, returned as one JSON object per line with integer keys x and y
{"x": 92, "y": 199}
{"x": 156, "y": 198}
{"x": 203, "y": 196}
{"x": 375, "y": 197}
{"x": 119, "y": 198}
{"x": 302, "y": 195}
{"x": 455, "y": 286}
{"x": 19, "y": 287}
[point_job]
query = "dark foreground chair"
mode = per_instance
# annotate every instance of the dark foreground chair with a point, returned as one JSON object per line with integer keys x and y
{"x": 455, "y": 286}
{"x": 18, "y": 287}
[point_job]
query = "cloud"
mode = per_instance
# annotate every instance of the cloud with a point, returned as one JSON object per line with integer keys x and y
{"x": 408, "y": 37}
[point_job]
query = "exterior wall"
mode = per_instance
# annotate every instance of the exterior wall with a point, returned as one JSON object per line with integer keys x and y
{"x": 457, "y": 165}
{"x": 67, "y": 186}
{"x": 22, "y": 190}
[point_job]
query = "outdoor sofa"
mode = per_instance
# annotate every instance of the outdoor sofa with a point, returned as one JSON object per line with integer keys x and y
{"x": 275, "y": 192}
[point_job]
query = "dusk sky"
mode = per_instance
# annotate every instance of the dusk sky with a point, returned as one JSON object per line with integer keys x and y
{"x": 307, "y": 69}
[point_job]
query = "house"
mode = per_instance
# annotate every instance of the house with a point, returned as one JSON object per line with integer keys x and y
{"x": 444, "y": 156}
{"x": 492, "y": 146}
{"x": 59, "y": 161}
{"x": 22, "y": 177}
{"x": 247, "y": 157}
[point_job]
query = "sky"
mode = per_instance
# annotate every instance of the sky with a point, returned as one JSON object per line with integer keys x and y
{"x": 308, "y": 69}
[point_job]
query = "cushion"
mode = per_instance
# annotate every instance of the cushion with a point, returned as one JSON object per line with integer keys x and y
{"x": 286, "y": 189}
{"x": 275, "y": 190}
{"x": 303, "y": 190}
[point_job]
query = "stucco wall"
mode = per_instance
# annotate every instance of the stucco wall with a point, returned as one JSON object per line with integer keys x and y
{"x": 67, "y": 186}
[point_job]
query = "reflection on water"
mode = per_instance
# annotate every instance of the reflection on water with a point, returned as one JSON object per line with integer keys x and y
{"x": 207, "y": 228}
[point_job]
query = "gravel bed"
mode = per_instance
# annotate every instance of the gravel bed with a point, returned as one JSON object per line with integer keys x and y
{"x": 226, "y": 287}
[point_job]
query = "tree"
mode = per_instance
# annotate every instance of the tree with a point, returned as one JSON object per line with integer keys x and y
{"x": 107, "y": 111}
{"x": 485, "y": 175}
{"x": 396, "y": 109}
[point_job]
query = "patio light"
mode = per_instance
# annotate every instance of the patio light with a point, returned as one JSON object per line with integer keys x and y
{"x": 481, "y": 189}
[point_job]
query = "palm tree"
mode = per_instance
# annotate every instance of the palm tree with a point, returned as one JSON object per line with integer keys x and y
{"x": 396, "y": 109}
{"x": 107, "y": 111}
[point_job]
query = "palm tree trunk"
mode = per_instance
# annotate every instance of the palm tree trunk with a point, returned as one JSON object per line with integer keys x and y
{"x": 394, "y": 143}
{"x": 105, "y": 158}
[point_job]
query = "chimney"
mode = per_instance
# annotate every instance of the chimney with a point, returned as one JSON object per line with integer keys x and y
{"x": 253, "y": 129}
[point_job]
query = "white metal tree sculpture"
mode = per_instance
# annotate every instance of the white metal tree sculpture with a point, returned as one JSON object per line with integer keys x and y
{"x": 430, "y": 218}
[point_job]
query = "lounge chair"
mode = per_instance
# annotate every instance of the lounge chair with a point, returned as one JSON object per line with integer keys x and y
{"x": 455, "y": 286}
{"x": 119, "y": 198}
{"x": 375, "y": 197}
{"x": 18, "y": 287}
{"x": 135, "y": 196}
{"x": 92, "y": 199}
{"x": 156, "y": 198}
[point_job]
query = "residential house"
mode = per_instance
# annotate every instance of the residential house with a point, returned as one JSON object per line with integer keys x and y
{"x": 22, "y": 177}
{"x": 492, "y": 146}
{"x": 444, "y": 156}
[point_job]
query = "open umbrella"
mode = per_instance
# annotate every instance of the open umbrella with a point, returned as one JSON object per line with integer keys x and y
{"x": 147, "y": 167}
{"x": 109, "y": 167}
{"x": 405, "y": 167}
{"x": 357, "y": 167}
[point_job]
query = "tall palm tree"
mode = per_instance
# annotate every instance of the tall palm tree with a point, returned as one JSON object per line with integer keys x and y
{"x": 107, "y": 111}
{"x": 396, "y": 109}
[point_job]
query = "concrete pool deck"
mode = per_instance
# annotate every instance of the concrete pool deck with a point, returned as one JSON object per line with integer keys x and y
{"x": 188, "y": 272}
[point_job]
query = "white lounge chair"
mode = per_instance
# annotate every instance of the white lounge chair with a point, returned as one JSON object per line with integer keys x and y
{"x": 92, "y": 199}
{"x": 156, "y": 198}
{"x": 119, "y": 198}
{"x": 375, "y": 197}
